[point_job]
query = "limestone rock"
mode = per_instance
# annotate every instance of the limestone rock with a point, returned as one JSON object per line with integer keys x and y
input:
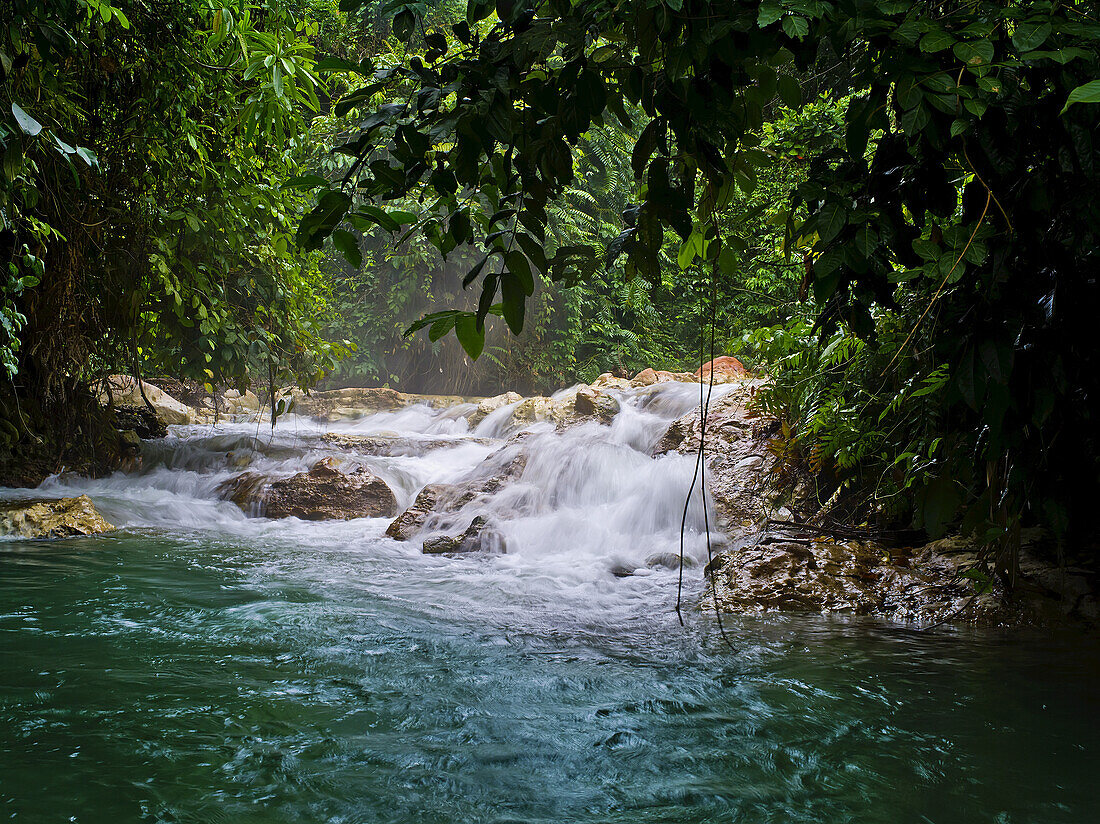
{"x": 479, "y": 536}
{"x": 726, "y": 369}
{"x": 487, "y": 406}
{"x": 141, "y": 420}
{"x": 322, "y": 493}
{"x": 430, "y": 499}
{"x": 592, "y": 403}
{"x": 61, "y": 518}
{"x": 126, "y": 391}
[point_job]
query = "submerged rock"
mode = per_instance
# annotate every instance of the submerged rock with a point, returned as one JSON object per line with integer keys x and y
{"x": 61, "y": 518}
{"x": 592, "y": 403}
{"x": 479, "y": 536}
{"x": 488, "y": 406}
{"x": 323, "y": 493}
{"x": 432, "y": 498}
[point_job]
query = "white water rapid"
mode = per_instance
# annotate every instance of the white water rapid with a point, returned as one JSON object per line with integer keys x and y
{"x": 590, "y": 526}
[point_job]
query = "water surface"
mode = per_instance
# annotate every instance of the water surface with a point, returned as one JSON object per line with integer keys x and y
{"x": 201, "y": 666}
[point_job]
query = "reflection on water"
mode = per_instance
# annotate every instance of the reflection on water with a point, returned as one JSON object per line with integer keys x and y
{"x": 199, "y": 666}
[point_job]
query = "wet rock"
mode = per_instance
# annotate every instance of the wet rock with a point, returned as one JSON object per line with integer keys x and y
{"x": 725, "y": 369}
{"x": 129, "y": 440}
{"x": 394, "y": 445}
{"x": 140, "y": 419}
{"x": 336, "y": 404}
{"x": 533, "y": 410}
{"x": 741, "y": 469}
{"x": 487, "y": 406}
{"x": 647, "y": 377}
{"x": 479, "y": 536}
{"x": 322, "y": 493}
{"x": 432, "y": 498}
{"x": 126, "y": 391}
{"x": 592, "y": 403}
{"x": 61, "y": 518}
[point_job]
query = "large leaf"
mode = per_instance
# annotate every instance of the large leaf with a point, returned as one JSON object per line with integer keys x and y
{"x": 27, "y": 123}
{"x": 325, "y": 216}
{"x": 1087, "y": 93}
{"x": 471, "y": 338}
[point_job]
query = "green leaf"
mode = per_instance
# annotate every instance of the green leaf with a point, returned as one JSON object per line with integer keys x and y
{"x": 27, "y": 123}
{"x": 936, "y": 40}
{"x": 770, "y": 11}
{"x": 796, "y": 27}
{"x": 521, "y": 269}
{"x": 348, "y": 246}
{"x": 1031, "y": 35}
{"x": 831, "y": 220}
{"x": 403, "y": 25}
{"x": 319, "y": 223}
{"x": 513, "y": 303}
{"x": 471, "y": 338}
{"x": 790, "y": 91}
{"x": 974, "y": 53}
{"x": 1087, "y": 93}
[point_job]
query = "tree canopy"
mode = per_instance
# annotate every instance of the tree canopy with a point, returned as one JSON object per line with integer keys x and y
{"x": 952, "y": 230}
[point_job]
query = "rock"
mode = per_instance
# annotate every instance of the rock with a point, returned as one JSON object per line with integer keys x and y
{"x": 591, "y": 402}
{"x": 125, "y": 391}
{"x": 141, "y": 420}
{"x": 647, "y": 377}
{"x": 740, "y": 466}
{"x": 438, "y": 506}
{"x": 395, "y": 445}
{"x": 789, "y": 571}
{"x": 322, "y": 493}
{"x": 430, "y": 499}
{"x": 608, "y": 380}
{"x": 61, "y": 518}
{"x": 487, "y": 406}
{"x": 237, "y": 403}
{"x": 538, "y": 409}
{"x": 129, "y": 439}
{"x": 479, "y": 536}
{"x": 726, "y": 369}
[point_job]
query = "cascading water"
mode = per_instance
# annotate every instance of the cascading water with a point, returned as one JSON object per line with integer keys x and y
{"x": 203, "y": 665}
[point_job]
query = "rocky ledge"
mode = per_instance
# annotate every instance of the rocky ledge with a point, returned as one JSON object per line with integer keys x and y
{"x": 60, "y": 518}
{"x": 322, "y": 493}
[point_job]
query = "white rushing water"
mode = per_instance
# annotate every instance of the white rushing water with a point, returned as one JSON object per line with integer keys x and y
{"x": 591, "y": 525}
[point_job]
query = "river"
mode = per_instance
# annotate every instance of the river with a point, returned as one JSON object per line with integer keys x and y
{"x": 199, "y": 665}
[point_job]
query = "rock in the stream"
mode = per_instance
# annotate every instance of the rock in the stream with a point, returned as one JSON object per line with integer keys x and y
{"x": 322, "y": 493}
{"x": 487, "y": 406}
{"x": 479, "y": 536}
{"x": 592, "y": 403}
{"x": 431, "y": 499}
{"x": 141, "y": 420}
{"x": 650, "y": 376}
{"x": 126, "y": 391}
{"x": 61, "y": 518}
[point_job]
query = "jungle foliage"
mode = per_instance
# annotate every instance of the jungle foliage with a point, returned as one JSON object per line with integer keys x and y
{"x": 949, "y": 239}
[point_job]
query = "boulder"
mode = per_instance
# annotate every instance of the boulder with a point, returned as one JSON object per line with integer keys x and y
{"x": 61, "y": 518}
{"x": 126, "y": 391}
{"x": 237, "y": 403}
{"x": 430, "y": 499}
{"x": 479, "y": 536}
{"x": 141, "y": 420}
{"x": 322, "y": 493}
{"x": 647, "y": 377}
{"x": 487, "y": 406}
{"x": 608, "y": 380}
{"x": 592, "y": 403}
{"x": 801, "y": 571}
{"x": 726, "y": 369}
